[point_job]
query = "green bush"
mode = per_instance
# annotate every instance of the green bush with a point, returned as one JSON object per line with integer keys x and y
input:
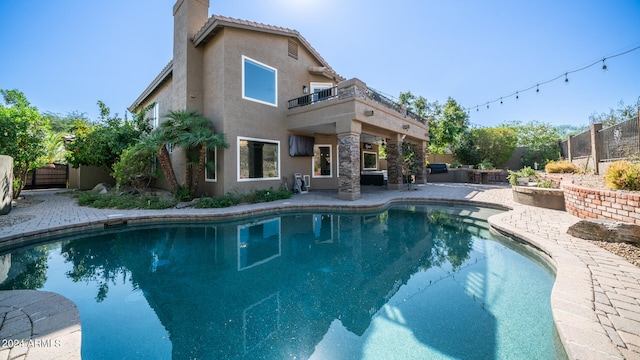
{"x": 623, "y": 175}
{"x": 525, "y": 172}
{"x": 135, "y": 168}
{"x": 494, "y": 145}
{"x": 109, "y": 201}
{"x": 561, "y": 166}
{"x": 256, "y": 196}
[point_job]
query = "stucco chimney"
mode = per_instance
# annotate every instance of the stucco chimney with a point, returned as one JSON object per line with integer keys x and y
{"x": 188, "y": 17}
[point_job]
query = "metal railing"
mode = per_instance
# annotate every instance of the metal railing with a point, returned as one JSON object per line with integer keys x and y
{"x": 322, "y": 95}
{"x": 619, "y": 141}
{"x": 331, "y": 93}
{"x": 581, "y": 145}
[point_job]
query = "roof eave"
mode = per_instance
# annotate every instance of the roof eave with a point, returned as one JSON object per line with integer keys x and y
{"x": 164, "y": 75}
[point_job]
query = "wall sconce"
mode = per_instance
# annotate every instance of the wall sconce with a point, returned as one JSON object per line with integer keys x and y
{"x": 406, "y": 126}
{"x": 305, "y": 89}
{"x": 368, "y": 112}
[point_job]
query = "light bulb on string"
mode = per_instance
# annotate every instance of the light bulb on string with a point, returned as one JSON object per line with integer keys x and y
{"x": 566, "y": 79}
{"x": 500, "y": 101}
{"x": 517, "y": 96}
{"x": 487, "y": 105}
{"x": 604, "y": 66}
{"x": 537, "y": 88}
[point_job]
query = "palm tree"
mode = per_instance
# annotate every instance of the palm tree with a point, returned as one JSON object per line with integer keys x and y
{"x": 192, "y": 132}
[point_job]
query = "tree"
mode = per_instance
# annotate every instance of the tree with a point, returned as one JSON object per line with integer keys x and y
{"x": 621, "y": 114}
{"x": 22, "y": 129}
{"x": 192, "y": 132}
{"x": 102, "y": 144}
{"x": 494, "y": 145}
{"x": 446, "y": 122}
{"x": 540, "y": 139}
{"x": 447, "y": 127}
{"x": 65, "y": 124}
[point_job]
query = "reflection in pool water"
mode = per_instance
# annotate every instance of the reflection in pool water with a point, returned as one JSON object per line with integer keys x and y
{"x": 422, "y": 282}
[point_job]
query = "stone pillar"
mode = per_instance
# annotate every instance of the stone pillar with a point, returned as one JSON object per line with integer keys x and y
{"x": 349, "y": 166}
{"x": 569, "y": 149}
{"x": 394, "y": 163}
{"x": 595, "y": 146}
{"x": 420, "y": 151}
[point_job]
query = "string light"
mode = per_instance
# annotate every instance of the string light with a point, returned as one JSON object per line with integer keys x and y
{"x": 565, "y": 74}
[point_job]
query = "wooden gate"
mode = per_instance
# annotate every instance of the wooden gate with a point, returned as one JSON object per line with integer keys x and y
{"x": 54, "y": 176}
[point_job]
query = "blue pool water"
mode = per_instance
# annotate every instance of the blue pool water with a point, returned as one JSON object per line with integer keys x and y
{"x": 410, "y": 282}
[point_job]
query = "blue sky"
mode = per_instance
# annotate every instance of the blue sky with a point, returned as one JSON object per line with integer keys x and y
{"x": 67, "y": 54}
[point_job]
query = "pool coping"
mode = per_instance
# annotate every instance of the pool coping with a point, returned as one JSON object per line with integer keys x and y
{"x": 583, "y": 330}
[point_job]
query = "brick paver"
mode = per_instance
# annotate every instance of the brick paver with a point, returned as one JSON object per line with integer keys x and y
{"x": 595, "y": 298}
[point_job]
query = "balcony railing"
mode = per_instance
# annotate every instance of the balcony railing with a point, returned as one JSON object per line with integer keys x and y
{"x": 371, "y": 94}
{"x": 322, "y": 95}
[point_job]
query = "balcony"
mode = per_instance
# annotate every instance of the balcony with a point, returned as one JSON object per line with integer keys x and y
{"x": 354, "y": 91}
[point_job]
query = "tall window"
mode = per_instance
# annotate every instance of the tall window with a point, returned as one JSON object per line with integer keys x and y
{"x": 322, "y": 161}
{"x": 259, "y": 82}
{"x": 258, "y": 159}
{"x": 211, "y": 172}
{"x": 154, "y": 116}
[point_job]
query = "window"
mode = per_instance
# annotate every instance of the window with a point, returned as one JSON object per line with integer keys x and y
{"x": 211, "y": 172}
{"x": 259, "y": 82}
{"x": 322, "y": 161}
{"x": 369, "y": 160}
{"x": 258, "y": 243}
{"x": 154, "y": 116}
{"x": 258, "y": 159}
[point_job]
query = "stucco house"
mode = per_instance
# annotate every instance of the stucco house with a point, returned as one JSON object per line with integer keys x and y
{"x": 283, "y": 109}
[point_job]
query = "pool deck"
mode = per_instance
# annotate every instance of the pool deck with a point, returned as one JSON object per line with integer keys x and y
{"x": 595, "y": 298}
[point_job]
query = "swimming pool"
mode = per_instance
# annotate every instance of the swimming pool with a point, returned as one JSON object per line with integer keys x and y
{"x": 412, "y": 281}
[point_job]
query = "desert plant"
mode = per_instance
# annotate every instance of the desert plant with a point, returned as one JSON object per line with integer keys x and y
{"x": 623, "y": 175}
{"x": 525, "y": 172}
{"x": 560, "y": 166}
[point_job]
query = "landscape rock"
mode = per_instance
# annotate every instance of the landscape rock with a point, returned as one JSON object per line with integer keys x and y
{"x": 101, "y": 188}
{"x": 605, "y": 230}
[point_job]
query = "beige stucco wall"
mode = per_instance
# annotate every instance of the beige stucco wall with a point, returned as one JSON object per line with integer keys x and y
{"x": 238, "y": 117}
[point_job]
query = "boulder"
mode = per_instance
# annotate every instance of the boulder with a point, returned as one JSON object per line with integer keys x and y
{"x": 605, "y": 230}
{"x": 101, "y": 188}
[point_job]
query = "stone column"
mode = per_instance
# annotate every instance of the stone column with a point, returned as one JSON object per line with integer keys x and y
{"x": 420, "y": 151}
{"x": 349, "y": 166}
{"x": 394, "y": 163}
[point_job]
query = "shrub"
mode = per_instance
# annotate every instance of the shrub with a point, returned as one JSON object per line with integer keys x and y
{"x": 525, "y": 172}
{"x": 623, "y": 175}
{"x": 104, "y": 201}
{"x": 561, "y": 166}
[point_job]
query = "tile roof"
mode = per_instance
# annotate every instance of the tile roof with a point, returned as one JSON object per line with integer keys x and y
{"x": 211, "y": 27}
{"x": 216, "y": 21}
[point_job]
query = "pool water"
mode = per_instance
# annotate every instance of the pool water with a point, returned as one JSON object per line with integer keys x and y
{"x": 410, "y": 282}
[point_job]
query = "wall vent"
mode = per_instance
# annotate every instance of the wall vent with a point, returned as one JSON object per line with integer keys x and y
{"x": 293, "y": 49}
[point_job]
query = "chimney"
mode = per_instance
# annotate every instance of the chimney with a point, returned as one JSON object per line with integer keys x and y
{"x": 188, "y": 18}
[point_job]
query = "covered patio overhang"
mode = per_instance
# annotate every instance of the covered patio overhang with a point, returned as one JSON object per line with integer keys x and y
{"x": 357, "y": 114}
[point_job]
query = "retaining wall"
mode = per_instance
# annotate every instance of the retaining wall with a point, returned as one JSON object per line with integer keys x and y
{"x": 609, "y": 205}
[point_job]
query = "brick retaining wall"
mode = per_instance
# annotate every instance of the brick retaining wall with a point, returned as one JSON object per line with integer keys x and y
{"x": 588, "y": 203}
